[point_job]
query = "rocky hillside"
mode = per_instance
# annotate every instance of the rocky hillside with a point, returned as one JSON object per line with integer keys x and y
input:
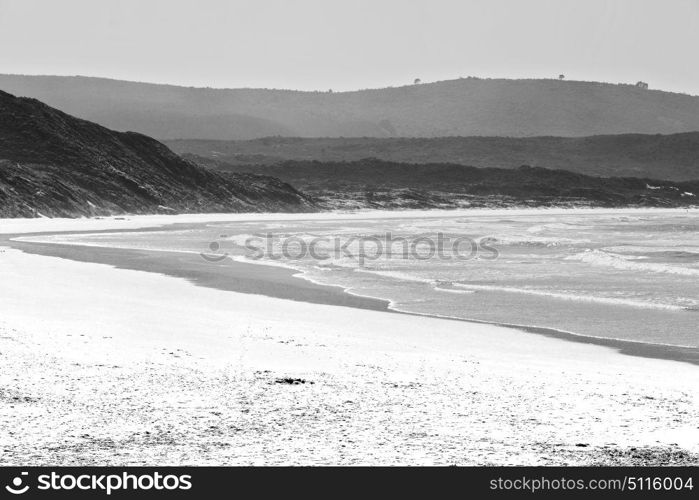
{"x": 673, "y": 157}
{"x": 373, "y": 183}
{"x": 55, "y": 165}
{"x": 463, "y": 107}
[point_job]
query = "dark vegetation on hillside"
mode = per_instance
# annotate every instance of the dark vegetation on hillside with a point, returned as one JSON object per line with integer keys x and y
{"x": 674, "y": 157}
{"x": 55, "y": 165}
{"x": 379, "y": 184}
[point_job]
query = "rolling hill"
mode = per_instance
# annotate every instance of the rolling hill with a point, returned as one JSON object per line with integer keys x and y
{"x": 56, "y": 165}
{"x": 462, "y": 107}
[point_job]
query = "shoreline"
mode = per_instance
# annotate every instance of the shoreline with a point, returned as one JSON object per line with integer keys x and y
{"x": 287, "y": 283}
{"x": 123, "y": 367}
{"x": 115, "y": 222}
{"x": 227, "y": 275}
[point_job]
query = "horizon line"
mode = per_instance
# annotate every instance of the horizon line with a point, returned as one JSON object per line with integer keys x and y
{"x": 331, "y": 91}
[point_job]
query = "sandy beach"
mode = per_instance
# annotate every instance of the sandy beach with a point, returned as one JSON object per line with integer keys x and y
{"x": 103, "y": 364}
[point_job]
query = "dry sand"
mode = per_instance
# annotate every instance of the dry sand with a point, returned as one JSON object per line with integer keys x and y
{"x": 112, "y": 366}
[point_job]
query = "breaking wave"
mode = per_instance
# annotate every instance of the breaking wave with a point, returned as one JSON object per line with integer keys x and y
{"x": 629, "y": 263}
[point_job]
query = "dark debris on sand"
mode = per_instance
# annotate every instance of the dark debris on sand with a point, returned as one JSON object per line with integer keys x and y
{"x": 615, "y": 456}
{"x": 646, "y": 456}
{"x": 292, "y": 381}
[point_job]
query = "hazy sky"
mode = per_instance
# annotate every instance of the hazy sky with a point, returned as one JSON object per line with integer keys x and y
{"x": 321, "y": 44}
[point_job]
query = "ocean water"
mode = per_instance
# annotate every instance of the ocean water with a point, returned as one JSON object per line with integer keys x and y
{"x": 620, "y": 275}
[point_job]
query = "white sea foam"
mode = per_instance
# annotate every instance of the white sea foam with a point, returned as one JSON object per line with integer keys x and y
{"x": 539, "y": 228}
{"x": 573, "y": 297}
{"x": 625, "y": 250}
{"x": 627, "y": 263}
{"x": 453, "y": 290}
{"x": 242, "y": 240}
{"x": 533, "y": 241}
{"x": 397, "y": 275}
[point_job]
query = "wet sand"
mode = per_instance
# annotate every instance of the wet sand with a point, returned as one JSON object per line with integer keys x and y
{"x": 226, "y": 275}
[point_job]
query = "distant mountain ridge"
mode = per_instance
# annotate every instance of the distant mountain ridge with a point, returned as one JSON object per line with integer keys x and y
{"x": 462, "y": 107}
{"x": 55, "y": 165}
{"x": 671, "y": 157}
